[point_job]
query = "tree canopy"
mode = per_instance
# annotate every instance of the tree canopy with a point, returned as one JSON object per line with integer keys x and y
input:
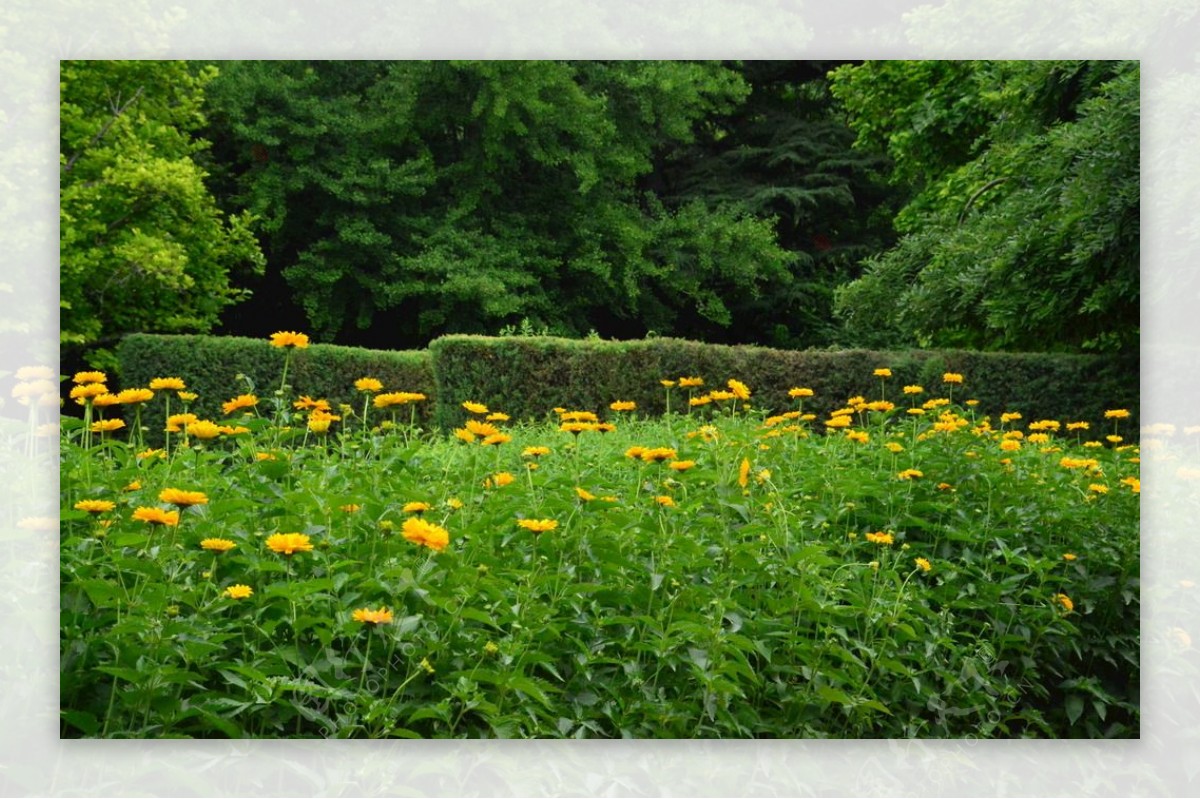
{"x": 981, "y": 204}
{"x": 1022, "y": 227}
{"x": 143, "y": 244}
{"x": 429, "y": 197}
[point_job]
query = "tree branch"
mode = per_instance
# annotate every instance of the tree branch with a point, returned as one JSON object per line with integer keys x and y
{"x": 117, "y": 112}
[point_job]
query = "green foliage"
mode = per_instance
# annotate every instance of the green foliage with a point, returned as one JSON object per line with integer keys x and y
{"x": 751, "y": 605}
{"x": 1023, "y": 232}
{"x": 143, "y": 245}
{"x": 528, "y": 377}
{"x": 219, "y": 368}
{"x": 429, "y": 197}
{"x": 785, "y": 154}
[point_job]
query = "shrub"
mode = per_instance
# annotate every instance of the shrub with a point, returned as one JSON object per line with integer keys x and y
{"x": 210, "y": 366}
{"x": 527, "y": 376}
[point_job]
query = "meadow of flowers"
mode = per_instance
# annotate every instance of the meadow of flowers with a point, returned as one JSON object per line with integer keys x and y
{"x": 906, "y": 566}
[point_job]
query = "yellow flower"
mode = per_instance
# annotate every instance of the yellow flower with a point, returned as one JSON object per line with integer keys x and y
{"x": 187, "y": 396}
{"x": 881, "y": 406}
{"x": 286, "y": 338}
{"x": 416, "y": 507}
{"x": 655, "y": 454}
{"x": 350, "y": 508}
{"x": 203, "y": 429}
{"x": 696, "y": 402}
{"x": 319, "y": 424}
{"x": 1065, "y": 601}
{"x": 95, "y": 505}
{"x": 289, "y": 543}
{"x": 136, "y": 485}
{"x": 239, "y": 591}
{"x": 1010, "y": 445}
{"x": 132, "y": 396}
{"x": 90, "y": 377}
{"x": 913, "y": 390}
{"x": 107, "y": 425}
{"x": 1038, "y": 438}
{"x": 455, "y": 503}
{"x": 1099, "y": 488}
{"x": 83, "y": 393}
{"x": 667, "y": 383}
{"x": 534, "y": 452}
{"x": 691, "y": 382}
{"x": 744, "y": 473}
{"x": 583, "y": 494}
{"x": 396, "y": 398}
{"x": 1079, "y": 463}
{"x": 883, "y": 539}
{"x": 150, "y": 453}
{"x": 892, "y": 446}
{"x": 665, "y": 501}
{"x": 157, "y": 516}
{"x": 496, "y": 416}
{"x": 952, "y": 377}
{"x": 217, "y": 544}
{"x": 499, "y": 480}
{"x": 915, "y": 411}
{"x": 1134, "y": 484}
{"x": 861, "y": 436}
{"x": 739, "y": 389}
{"x": 623, "y": 405}
{"x": 496, "y": 439}
{"x": 797, "y": 393}
{"x": 909, "y": 474}
{"x": 1118, "y": 413}
{"x": 376, "y": 617}
{"x": 481, "y": 429}
{"x": 174, "y": 496}
{"x": 1069, "y": 556}
{"x": 475, "y": 407}
{"x": 1114, "y": 439}
{"x": 884, "y": 372}
{"x": 578, "y": 416}
{"x": 168, "y": 383}
{"x": 239, "y": 402}
{"x": 681, "y": 466}
{"x": 368, "y": 384}
{"x": 462, "y": 434}
{"x": 839, "y": 421}
{"x": 635, "y": 452}
{"x": 922, "y": 564}
{"x": 538, "y": 526}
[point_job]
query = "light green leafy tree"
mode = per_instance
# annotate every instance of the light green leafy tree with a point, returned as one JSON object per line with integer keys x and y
{"x": 143, "y": 245}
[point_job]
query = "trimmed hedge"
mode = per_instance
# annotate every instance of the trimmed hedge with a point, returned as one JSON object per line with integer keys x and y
{"x": 527, "y": 377}
{"x": 210, "y": 366}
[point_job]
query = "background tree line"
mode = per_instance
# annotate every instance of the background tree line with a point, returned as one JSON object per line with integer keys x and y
{"x": 980, "y": 204}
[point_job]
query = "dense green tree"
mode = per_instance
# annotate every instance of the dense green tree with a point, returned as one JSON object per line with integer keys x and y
{"x": 144, "y": 246}
{"x": 1022, "y": 230}
{"x": 786, "y": 153}
{"x": 401, "y": 200}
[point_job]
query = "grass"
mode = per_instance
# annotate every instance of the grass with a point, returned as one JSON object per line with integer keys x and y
{"x": 910, "y": 575}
